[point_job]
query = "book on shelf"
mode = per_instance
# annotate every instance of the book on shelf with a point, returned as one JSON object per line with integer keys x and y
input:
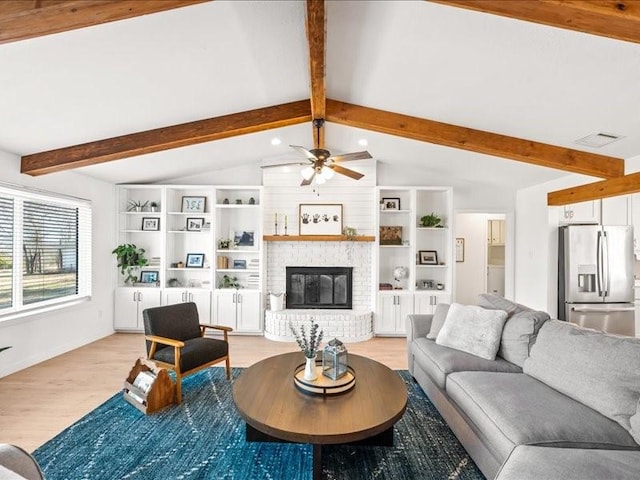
{"x": 385, "y": 286}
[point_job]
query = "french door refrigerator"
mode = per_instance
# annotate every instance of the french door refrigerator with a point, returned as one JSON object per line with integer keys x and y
{"x": 596, "y": 277}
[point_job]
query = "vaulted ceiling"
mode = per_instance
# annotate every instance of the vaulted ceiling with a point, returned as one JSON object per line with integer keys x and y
{"x": 207, "y": 85}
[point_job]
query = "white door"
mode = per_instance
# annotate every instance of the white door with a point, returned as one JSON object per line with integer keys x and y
{"x": 147, "y": 298}
{"x": 248, "y": 311}
{"x": 226, "y": 307}
{"x": 404, "y": 307}
{"x": 126, "y": 309}
{"x": 385, "y": 322}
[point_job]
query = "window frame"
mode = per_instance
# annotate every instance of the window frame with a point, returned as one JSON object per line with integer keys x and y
{"x": 83, "y": 250}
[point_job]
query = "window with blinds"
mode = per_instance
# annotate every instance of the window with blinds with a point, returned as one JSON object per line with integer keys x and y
{"x": 45, "y": 250}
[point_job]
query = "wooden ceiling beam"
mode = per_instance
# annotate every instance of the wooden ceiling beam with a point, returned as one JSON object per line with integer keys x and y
{"x": 614, "y": 19}
{"x": 23, "y": 19}
{"x": 474, "y": 140}
{"x": 594, "y": 191}
{"x": 165, "y": 138}
{"x": 316, "y": 36}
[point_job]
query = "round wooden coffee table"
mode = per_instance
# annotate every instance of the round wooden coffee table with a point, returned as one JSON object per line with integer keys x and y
{"x": 275, "y": 410}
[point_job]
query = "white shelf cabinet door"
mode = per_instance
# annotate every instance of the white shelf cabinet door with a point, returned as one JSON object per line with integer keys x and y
{"x": 392, "y": 313}
{"x": 129, "y": 305}
{"x": 583, "y": 212}
{"x": 425, "y": 303}
{"x": 202, "y": 299}
{"x": 248, "y": 311}
{"x": 226, "y": 307}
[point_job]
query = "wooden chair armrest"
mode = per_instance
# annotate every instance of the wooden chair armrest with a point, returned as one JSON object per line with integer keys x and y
{"x": 217, "y": 327}
{"x": 165, "y": 341}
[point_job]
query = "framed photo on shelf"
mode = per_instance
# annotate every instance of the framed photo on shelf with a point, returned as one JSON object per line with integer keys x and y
{"x": 194, "y": 204}
{"x": 391, "y": 203}
{"x": 427, "y": 257}
{"x": 149, "y": 276}
{"x": 150, "y": 223}
{"x": 243, "y": 238}
{"x": 391, "y": 235}
{"x": 195, "y": 260}
{"x": 320, "y": 219}
{"x": 240, "y": 264}
{"x": 195, "y": 224}
{"x": 459, "y": 249}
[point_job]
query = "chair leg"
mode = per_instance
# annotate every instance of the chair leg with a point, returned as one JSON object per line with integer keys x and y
{"x": 178, "y": 387}
{"x": 228, "y": 364}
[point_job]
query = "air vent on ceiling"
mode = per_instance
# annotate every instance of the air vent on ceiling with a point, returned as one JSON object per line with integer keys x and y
{"x": 598, "y": 140}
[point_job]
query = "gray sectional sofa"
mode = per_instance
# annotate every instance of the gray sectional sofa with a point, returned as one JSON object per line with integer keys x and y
{"x": 557, "y": 401}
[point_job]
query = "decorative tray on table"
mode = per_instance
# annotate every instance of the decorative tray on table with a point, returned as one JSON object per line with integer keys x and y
{"x": 323, "y": 385}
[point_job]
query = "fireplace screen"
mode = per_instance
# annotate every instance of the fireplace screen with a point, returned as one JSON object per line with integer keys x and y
{"x": 319, "y": 287}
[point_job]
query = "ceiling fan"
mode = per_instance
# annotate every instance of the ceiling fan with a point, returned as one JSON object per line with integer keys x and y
{"x": 322, "y": 165}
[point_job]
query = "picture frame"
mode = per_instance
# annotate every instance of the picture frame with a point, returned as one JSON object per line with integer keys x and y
{"x": 427, "y": 257}
{"x": 194, "y": 204}
{"x": 239, "y": 264}
{"x": 459, "y": 249}
{"x": 149, "y": 276}
{"x": 391, "y": 235}
{"x": 320, "y": 219}
{"x": 150, "y": 224}
{"x": 195, "y": 260}
{"x": 195, "y": 224}
{"x": 243, "y": 238}
{"x": 391, "y": 203}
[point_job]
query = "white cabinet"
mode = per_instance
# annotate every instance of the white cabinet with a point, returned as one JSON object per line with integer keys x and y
{"x": 635, "y": 221}
{"x": 202, "y": 299}
{"x": 129, "y": 305}
{"x": 392, "y": 311}
{"x": 495, "y": 232}
{"x": 616, "y": 210}
{"x": 426, "y": 302}
{"x": 238, "y": 309}
{"x": 583, "y": 212}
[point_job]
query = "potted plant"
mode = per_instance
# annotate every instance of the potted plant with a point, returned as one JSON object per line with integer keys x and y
{"x": 136, "y": 205}
{"x": 431, "y": 220}
{"x": 153, "y": 206}
{"x": 225, "y": 243}
{"x": 229, "y": 282}
{"x": 129, "y": 258}
{"x": 309, "y": 345}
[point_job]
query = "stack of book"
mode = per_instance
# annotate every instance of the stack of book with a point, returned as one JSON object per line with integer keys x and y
{"x": 154, "y": 262}
{"x": 385, "y": 286}
{"x": 253, "y": 280}
{"x": 254, "y": 264}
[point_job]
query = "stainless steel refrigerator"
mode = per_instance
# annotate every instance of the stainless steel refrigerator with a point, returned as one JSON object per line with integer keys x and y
{"x": 595, "y": 277}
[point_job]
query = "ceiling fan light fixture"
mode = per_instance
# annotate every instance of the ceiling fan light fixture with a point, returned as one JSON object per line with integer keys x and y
{"x": 320, "y": 180}
{"x": 307, "y": 172}
{"x": 327, "y": 173}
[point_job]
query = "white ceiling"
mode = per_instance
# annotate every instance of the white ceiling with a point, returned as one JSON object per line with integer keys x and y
{"x": 413, "y": 57}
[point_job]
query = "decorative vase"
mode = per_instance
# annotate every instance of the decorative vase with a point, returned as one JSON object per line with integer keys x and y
{"x": 310, "y": 369}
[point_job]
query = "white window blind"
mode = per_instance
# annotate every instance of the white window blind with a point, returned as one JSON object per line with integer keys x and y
{"x": 45, "y": 249}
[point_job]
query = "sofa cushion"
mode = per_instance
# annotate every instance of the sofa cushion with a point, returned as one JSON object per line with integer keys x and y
{"x": 195, "y": 353}
{"x": 511, "y": 409}
{"x": 635, "y": 424}
{"x": 439, "y": 316}
{"x": 473, "y": 330}
{"x": 529, "y": 462}
{"x": 439, "y": 361}
{"x": 598, "y": 369}
{"x": 492, "y": 301}
{"x": 519, "y": 334}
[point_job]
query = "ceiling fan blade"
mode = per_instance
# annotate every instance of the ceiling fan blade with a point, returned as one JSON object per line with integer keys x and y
{"x": 305, "y": 152}
{"x": 305, "y": 182}
{"x": 283, "y": 164}
{"x": 350, "y": 156}
{"x": 347, "y": 171}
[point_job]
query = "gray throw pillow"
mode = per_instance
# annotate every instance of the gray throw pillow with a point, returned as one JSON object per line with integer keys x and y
{"x": 493, "y": 301}
{"x": 598, "y": 369}
{"x": 472, "y": 329}
{"x": 519, "y": 334}
{"x": 439, "y": 316}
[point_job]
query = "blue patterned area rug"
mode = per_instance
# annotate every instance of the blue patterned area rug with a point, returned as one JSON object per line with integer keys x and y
{"x": 203, "y": 438}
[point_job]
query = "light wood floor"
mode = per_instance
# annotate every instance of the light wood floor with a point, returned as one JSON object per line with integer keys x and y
{"x": 39, "y": 402}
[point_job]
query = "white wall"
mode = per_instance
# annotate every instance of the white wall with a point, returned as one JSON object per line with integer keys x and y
{"x": 470, "y": 275}
{"x": 38, "y": 337}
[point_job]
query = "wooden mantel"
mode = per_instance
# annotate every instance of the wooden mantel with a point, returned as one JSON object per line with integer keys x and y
{"x": 318, "y": 238}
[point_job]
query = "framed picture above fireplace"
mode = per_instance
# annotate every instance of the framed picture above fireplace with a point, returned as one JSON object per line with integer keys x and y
{"x": 320, "y": 219}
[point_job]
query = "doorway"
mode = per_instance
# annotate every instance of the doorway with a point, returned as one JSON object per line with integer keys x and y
{"x": 480, "y": 267}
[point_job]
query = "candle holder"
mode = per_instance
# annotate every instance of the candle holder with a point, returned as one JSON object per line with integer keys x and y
{"x": 285, "y": 230}
{"x": 276, "y": 225}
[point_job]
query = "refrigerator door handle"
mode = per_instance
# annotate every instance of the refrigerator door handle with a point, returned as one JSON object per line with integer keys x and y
{"x": 602, "y": 310}
{"x": 599, "y": 272}
{"x": 605, "y": 264}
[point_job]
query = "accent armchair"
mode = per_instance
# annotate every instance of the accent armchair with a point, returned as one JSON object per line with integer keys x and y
{"x": 175, "y": 340}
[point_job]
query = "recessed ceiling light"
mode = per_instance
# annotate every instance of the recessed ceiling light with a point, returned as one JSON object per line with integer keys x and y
{"x": 363, "y": 142}
{"x": 275, "y": 141}
{"x": 598, "y": 140}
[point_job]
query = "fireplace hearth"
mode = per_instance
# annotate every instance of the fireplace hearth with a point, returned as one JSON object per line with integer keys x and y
{"x": 319, "y": 287}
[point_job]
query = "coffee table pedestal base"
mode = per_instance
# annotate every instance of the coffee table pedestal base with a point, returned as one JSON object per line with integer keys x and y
{"x": 383, "y": 439}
